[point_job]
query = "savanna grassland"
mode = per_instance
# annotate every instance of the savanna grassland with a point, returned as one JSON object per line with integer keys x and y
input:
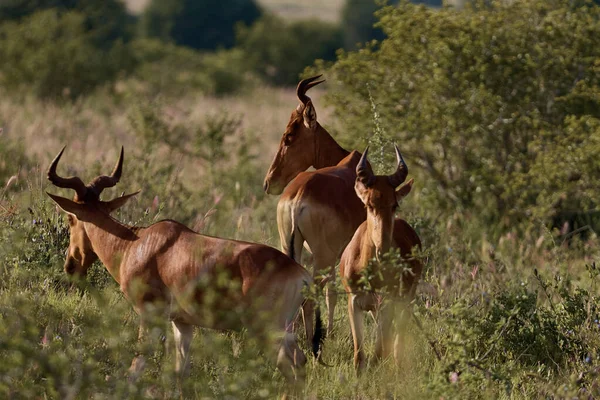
{"x": 496, "y": 109}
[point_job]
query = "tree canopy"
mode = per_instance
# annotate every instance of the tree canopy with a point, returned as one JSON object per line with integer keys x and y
{"x": 498, "y": 105}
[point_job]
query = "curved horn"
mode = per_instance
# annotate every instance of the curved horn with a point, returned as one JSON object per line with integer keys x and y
{"x": 363, "y": 170}
{"x": 401, "y": 173}
{"x": 72, "y": 182}
{"x": 306, "y": 84}
{"x": 102, "y": 182}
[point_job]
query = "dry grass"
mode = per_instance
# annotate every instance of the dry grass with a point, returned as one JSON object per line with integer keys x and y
{"x": 93, "y": 132}
{"x": 328, "y": 10}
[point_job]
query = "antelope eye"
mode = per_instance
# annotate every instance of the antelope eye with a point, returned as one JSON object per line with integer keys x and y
{"x": 288, "y": 139}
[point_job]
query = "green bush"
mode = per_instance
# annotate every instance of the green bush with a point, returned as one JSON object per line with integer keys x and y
{"x": 169, "y": 69}
{"x": 497, "y": 104}
{"x": 106, "y": 20}
{"x": 358, "y": 20}
{"x": 279, "y": 51}
{"x": 54, "y": 55}
{"x": 200, "y": 24}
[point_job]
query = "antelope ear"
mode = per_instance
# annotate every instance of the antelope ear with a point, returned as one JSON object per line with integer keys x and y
{"x": 361, "y": 191}
{"x": 404, "y": 189}
{"x": 119, "y": 202}
{"x": 310, "y": 116}
{"x": 69, "y": 206}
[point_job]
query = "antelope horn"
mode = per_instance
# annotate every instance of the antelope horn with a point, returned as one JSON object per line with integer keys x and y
{"x": 401, "y": 173}
{"x": 102, "y": 182}
{"x": 306, "y": 84}
{"x": 72, "y": 182}
{"x": 363, "y": 170}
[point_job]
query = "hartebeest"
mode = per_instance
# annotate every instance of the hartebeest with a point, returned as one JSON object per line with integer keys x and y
{"x": 383, "y": 287}
{"x": 318, "y": 207}
{"x": 169, "y": 267}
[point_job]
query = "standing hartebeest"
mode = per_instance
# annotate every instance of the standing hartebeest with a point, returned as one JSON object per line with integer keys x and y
{"x": 318, "y": 207}
{"x": 374, "y": 238}
{"x": 180, "y": 272}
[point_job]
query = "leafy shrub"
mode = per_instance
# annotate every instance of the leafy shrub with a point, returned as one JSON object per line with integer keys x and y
{"x": 358, "y": 20}
{"x": 170, "y": 69}
{"x": 200, "y": 24}
{"x": 484, "y": 101}
{"x": 105, "y": 20}
{"x": 542, "y": 327}
{"x": 279, "y": 51}
{"x": 55, "y": 56}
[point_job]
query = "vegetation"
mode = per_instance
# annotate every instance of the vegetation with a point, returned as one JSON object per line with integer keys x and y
{"x": 496, "y": 103}
{"x": 200, "y": 24}
{"x": 496, "y": 109}
{"x": 278, "y": 51}
{"x": 106, "y": 20}
{"x": 54, "y": 55}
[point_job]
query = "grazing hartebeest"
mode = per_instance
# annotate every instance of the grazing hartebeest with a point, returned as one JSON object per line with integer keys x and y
{"x": 318, "y": 207}
{"x": 169, "y": 266}
{"x": 374, "y": 238}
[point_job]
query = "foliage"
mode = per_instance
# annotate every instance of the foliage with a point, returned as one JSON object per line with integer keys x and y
{"x": 218, "y": 73}
{"x": 12, "y": 159}
{"x": 200, "y": 24}
{"x": 105, "y": 20}
{"x": 500, "y": 328}
{"x": 54, "y": 55}
{"x": 483, "y": 101}
{"x": 358, "y": 20}
{"x": 279, "y": 51}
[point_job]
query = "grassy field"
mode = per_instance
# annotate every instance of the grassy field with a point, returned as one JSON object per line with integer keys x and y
{"x": 511, "y": 317}
{"x": 328, "y": 10}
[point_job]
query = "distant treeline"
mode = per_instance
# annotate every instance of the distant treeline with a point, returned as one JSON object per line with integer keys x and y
{"x": 65, "y": 48}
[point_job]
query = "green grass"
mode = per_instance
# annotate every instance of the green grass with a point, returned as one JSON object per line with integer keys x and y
{"x": 501, "y": 330}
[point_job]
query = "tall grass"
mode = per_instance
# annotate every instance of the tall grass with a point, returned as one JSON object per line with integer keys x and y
{"x": 510, "y": 317}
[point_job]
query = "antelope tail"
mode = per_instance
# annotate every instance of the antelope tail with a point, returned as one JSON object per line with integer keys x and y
{"x": 291, "y": 245}
{"x": 318, "y": 336}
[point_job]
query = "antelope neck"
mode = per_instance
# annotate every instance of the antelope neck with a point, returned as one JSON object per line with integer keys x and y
{"x": 110, "y": 239}
{"x": 327, "y": 151}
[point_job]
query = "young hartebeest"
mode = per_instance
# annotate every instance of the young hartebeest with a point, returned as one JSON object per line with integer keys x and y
{"x": 388, "y": 285}
{"x": 180, "y": 272}
{"x": 318, "y": 207}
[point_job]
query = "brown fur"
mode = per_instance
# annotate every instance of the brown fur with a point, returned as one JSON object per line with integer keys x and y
{"x": 372, "y": 240}
{"x": 172, "y": 268}
{"x": 319, "y": 208}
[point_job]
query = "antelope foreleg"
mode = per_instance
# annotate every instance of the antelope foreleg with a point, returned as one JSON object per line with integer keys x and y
{"x": 183, "y": 338}
{"x": 139, "y": 361}
{"x": 331, "y": 301}
{"x": 308, "y": 311}
{"x": 355, "y": 315}
{"x": 384, "y": 334}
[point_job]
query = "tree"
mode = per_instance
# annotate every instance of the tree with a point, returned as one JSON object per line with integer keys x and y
{"x": 106, "y": 20}
{"x": 497, "y": 106}
{"x": 54, "y": 55}
{"x": 200, "y": 24}
{"x": 279, "y": 52}
{"x": 358, "y": 20}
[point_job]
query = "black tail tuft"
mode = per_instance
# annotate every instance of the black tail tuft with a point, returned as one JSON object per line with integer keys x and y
{"x": 291, "y": 247}
{"x": 318, "y": 336}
